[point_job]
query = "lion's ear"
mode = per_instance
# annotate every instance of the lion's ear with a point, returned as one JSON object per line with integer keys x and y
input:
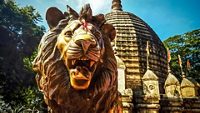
{"x": 53, "y": 16}
{"x": 98, "y": 20}
{"x": 72, "y": 12}
{"x": 86, "y": 12}
{"x": 109, "y": 30}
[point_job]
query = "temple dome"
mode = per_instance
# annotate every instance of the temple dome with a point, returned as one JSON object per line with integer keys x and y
{"x": 131, "y": 36}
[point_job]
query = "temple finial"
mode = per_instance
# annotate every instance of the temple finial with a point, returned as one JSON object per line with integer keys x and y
{"x": 116, "y": 5}
{"x": 180, "y": 64}
{"x": 168, "y": 59}
{"x": 147, "y": 49}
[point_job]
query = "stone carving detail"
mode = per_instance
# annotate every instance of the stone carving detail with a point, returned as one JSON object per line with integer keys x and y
{"x": 150, "y": 85}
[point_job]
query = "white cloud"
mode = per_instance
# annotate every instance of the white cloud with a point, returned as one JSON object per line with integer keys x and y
{"x": 63, "y": 2}
{"x": 98, "y": 6}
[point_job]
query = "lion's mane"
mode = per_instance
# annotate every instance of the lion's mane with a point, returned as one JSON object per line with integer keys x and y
{"x": 53, "y": 78}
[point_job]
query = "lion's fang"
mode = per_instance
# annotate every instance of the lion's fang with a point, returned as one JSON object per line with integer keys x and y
{"x": 73, "y": 62}
{"x": 91, "y": 63}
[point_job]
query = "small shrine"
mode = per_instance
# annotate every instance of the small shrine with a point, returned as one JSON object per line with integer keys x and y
{"x": 172, "y": 85}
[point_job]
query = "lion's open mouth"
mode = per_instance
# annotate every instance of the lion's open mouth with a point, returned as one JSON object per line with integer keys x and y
{"x": 80, "y": 49}
{"x": 82, "y": 62}
{"x": 81, "y": 71}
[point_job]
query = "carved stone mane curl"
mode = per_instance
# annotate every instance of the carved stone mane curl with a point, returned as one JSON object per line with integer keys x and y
{"x": 53, "y": 77}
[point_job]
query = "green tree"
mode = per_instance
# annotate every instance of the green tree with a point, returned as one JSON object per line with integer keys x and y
{"x": 188, "y": 47}
{"x": 19, "y": 38}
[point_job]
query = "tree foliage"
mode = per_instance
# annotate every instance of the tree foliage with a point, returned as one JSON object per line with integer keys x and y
{"x": 188, "y": 47}
{"x": 19, "y": 37}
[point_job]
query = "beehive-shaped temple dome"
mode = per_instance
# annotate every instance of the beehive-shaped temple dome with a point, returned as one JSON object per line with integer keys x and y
{"x": 132, "y": 35}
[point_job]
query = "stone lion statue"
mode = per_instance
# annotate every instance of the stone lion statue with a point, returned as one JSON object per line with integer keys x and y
{"x": 75, "y": 65}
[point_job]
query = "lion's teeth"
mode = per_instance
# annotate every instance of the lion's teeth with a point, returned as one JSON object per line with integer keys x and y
{"x": 84, "y": 58}
{"x": 92, "y": 63}
{"x": 73, "y": 62}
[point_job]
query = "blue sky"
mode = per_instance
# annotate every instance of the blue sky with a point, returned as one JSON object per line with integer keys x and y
{"x": 166, "y": 17}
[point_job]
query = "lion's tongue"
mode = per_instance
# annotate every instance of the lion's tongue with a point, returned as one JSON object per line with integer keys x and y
{"x": 78, "y": 74}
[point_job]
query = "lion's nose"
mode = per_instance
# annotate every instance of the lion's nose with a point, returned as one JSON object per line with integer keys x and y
{"x": 85, "y": 45}
{"x": 85, "y": 41}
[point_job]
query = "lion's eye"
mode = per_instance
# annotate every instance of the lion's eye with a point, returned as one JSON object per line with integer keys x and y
{"x": 68, "y": 33}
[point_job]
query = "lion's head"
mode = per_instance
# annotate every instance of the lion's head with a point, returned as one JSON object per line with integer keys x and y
{"x": 77, "y": 50}
{"x": 81, "y": 46}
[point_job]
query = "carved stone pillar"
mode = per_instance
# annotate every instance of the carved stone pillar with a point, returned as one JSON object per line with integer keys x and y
{"x": 127, "y": 98}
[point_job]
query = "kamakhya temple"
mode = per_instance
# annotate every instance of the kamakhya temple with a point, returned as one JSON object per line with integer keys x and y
{"x": 145, "y": 81}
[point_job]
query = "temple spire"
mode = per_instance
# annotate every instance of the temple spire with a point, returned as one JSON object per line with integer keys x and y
{"x": 168, "y": 59}
{"x": 180, "y": 64}
{"x": 116, "y": 5}
{"x": 147, "y": 50}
